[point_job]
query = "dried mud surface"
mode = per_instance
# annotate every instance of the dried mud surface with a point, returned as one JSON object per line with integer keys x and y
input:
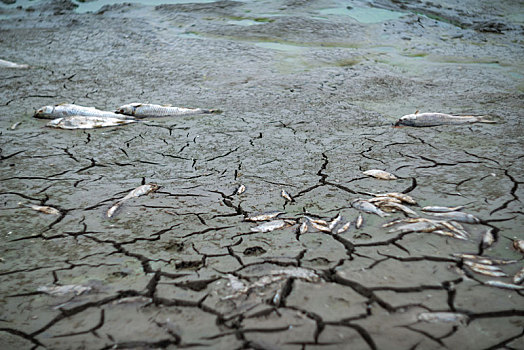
{"x": 309, "y": 100}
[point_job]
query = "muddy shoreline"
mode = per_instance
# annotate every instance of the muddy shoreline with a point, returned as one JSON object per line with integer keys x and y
{"x": 310, "y": 95}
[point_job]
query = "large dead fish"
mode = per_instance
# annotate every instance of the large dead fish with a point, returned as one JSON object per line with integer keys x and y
{"x": 380, "y": 174}
{"x": 367, "y": 207}
{"x": 271, "y": 226}
{"x": 9, "y": 64}
{"x": 458, "y": 216}
{"x": 264, "y": 216}
{"x": 137, "y": 192}
{"x": 87, "y": 122}
{"x": 67, "y": 110}
{"x": 43, "y": 209}
{"x": 144, "y": 110}
{"x": 435, "y": 119}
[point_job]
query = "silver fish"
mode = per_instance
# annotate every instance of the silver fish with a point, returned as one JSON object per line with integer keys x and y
{"x": 86, "y": 122}
{"x": 344, "y": 227}
{"x": 435, "y": 119}
{"x": 9, "y": 64}
{"x": 270, "y": 226}
{"x": 264, "y": 216}
{"x": 519, "y": 276}
{"x": 380, "y": 174}
{"x": 367, "y": 207}
{"x": 401, "y": 196}
{"x": 67, "y": 110}
{"x": 397, "y": 206}
{"x": 303, "y": 227}
{"x": 503, "y": 285}
{"x": 421, "y": 226}
{"x": 320, "y": 227}
{"x": 317, "y": 221}
{"x": 484, "y": 259}
{"x": 359, "y": 221}
{"x": 444, "y": 317}
{"x": 44, "y": 209}
{"x": 15, "y": 125}
{"x": 449, "y": 234}
{"x": 442, "y": 209}
{"x": 488, "y": 270}
{"x": 335, "y": 222}
{"x": 459, "y": 216}
{"x": 383, "y": 199}
{"x": 137, "y": 192}
{"x": 240, "y": 189}
{"x": 144, "y": 110}
{"x": 487, "y": 238}
{"x": 284, "y": 194}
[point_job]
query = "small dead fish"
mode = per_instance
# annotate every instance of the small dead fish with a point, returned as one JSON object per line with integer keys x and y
{"x": 317, "y": 221}
{"x": 401, "y": 196}
{"x": 335, "y": 222}
{"x": 406, "y": 220}
{"x": 44, "y": 209}
{"x": 68, "y": 110}
{"x": 9, "y": 64}
{"x": 320, "y": 227}
{"x": 137, "y": 192}
{"x": 449, "y": 234}
{"x": 240, "y": 189}
{"x": 442, "y": 209}
{"x": 397, "y": 206}
{"x": 443, "y": 317}
{"x": 519, "y": 276}
{"x": 421, "y": 226}
{"x": 144, "y": 110}
{"x": 487, "y": 238}
{"x": 63, "y": 290}
{"x": 503, "y": 285}
{"x": 270, "y": 226}
{"x": 458, "y": 216}
{"x": 367, "y": 207}
{"x": 284, "y": 194}
{"x": 359, "y": 221}
{"x": 487, "y": 270}
{"x": 87, "y": 122}
{"x": 380, "y": 174}
{"x": 344, "y": 227}
{"x": 436, "y": 119}
{"x": 484, "y": 259}
{"x": 15, "y": 125}
{"x": 383, "y": 199}
{"x": 264, "y": 216}
{"x": 303, "y": 227}
{"x": 518, "y": 244}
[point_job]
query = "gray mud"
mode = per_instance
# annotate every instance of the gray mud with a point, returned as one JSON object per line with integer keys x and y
{"x": 309, "y": 96}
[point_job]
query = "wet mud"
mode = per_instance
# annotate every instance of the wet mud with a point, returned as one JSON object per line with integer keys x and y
{"x": 309, "y": 96}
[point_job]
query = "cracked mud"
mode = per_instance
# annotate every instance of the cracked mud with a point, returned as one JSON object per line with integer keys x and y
{"x": 309, "y": 95}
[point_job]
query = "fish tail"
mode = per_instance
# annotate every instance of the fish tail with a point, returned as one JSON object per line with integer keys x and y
{"x": 482, "y": 119}
{"x": 209, "y": 111}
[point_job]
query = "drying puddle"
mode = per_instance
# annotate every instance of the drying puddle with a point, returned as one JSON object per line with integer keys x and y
{"x": 363, "y": 14}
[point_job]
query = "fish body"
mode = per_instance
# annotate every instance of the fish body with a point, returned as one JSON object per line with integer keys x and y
{"x": 488, "y": 270}
{"x": 484, "y": 259}
{"x": 421, "y": 226}
{"x": 269, "y": 226}
{"x": 443, "y": 317}
{"x": 436, "y": 119}
{"x": 298, "y": 272}
{"x": 284, "y": 194}
{"x": 86, "y": 122}
{"x": 68, "y": 110}
{"x": 15, "y": 125}
{"x": 63, "y": 290}
{"x": 240, "y": 189}
{"x": 397, "y": 206}
{"x": 9, "y": 64}
{"x": 264, "y": 216}
{"x": 367, "y": 207}
{"x": 458, "y": 216}
{"x": 145, "y": 110}
{"x": 519, "y": 276}
{"x": 380, "y": 174}
{"x": 344, "y": 227}
{"x": 503, "y": 285}
{"x": 137, "y": 192}
{"x": 359, "y": 221}
{"x": 487, "y": 238}
{"x": 449, "y": 234}
{"x": 335, "y": 222}
{"x": 401, "y": 196}
{"x": 518, "y": 244}
{"x": 383, "y": 199}
{"x": 303, "y": 228}
{"x": 45, "y": 209}
{"x": 320, "y": 227}
{"x": 442, "y": 209}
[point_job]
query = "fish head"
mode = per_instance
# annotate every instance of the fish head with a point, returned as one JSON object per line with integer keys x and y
{"x": 44, "y": 112}
{"x": 406, "y": 120}
{"x": 128, "y": 109}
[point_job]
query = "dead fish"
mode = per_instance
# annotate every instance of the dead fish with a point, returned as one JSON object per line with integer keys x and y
{"x": 487, "y": 238}
{"x": 9, "y": 64}
{"x": 303, "y": 227}
{"x": 503, "y": 285}
{"x": 240, "y": 189}
{"x": 344, "y": 227}
{"x": 393, "y": 205}
{"x": 264, "y": 216}
{"x": 68, "y": 110}
{"x": 270, "y": 226}
{"x": 87, "y": 122}
{"x": 367, "y": 207}
{"x": 298, "y": 272}
{"x": 380, "y": 174}
{"x": 284, "y": 194}
{"x": 458, "y": 216}
{"x": 421, "y": 226}
{"x": 335, "y": 222}
{"x": 43, "y": 209}
{"x": 383, "y": 199}
{"x": 444, "y": 317}
{"x": 401, "y": 196}
{"x": 484, "y": 259}
{"x": 436, "y": 119}
{"x": 317, "y": 221}
{"x": 137, "y": 192}
{"x": 359, "y": 221}
{"x": 487, "y": 270}
{"x": 15, "y": 125}
{"x": 449, "y": 234}
{"x": 442, "y": 209}
{"x": 518, "y": 244}
{"x": 320, "y": 227}
{"x": 63, "y": 290}
{"x": 405, "y": 220}
{"x": 519, "y": 276}
{"x": 144, "y": 110}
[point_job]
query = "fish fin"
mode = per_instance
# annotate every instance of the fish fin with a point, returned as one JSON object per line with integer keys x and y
{"x": 482, "y": 119}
